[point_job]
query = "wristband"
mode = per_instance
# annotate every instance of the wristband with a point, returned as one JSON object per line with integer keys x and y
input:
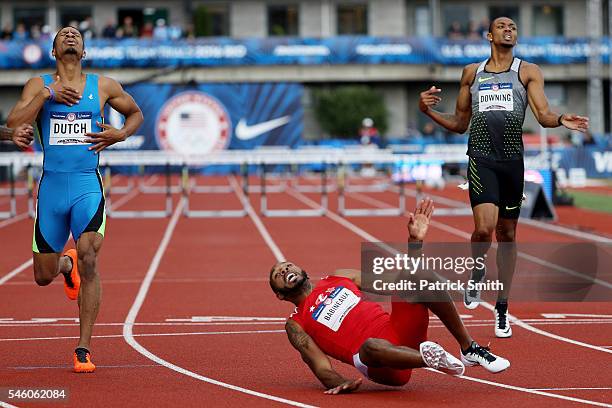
{"x": 415, "y": 245}
{"x": 51, "y": 93}
{"x": 559, "y": 120}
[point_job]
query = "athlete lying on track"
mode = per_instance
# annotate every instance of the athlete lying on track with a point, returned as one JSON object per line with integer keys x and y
{"x": 385, "y": 347}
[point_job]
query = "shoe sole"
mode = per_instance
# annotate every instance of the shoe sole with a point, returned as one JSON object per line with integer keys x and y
{"x": 73, "y": 294}
{"x": 430, "y": 350}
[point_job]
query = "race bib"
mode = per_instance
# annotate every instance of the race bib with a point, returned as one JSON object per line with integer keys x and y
{"x": 334, "y": 308}
{"x": 495, "y": 97}
{"x": 69, "y": 128}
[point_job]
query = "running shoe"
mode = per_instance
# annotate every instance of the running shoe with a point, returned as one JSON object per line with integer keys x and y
{"x": 479, "y": 355}
{"x": 72, "y": 280}
{"x": 502, "y": 324}
{"x": 439, "y": 359}
{"x": 471, "y": 297}
{"x": 82, "y": 361}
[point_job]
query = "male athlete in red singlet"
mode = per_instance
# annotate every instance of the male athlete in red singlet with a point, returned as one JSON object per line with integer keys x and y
{"x": 332, "y": 319}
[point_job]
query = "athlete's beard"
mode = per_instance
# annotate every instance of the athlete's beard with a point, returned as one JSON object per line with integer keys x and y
{"x": 71, "y": 50}
{"x": 297, "y": 289}
{"x": 507, "y": 45}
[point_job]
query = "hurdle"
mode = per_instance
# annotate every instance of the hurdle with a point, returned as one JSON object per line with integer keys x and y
{"x": 12, "y": 211}
{"x": 116, "y": 159}
{"x": 188, "y": 188}
{"x": 286, "y": 212}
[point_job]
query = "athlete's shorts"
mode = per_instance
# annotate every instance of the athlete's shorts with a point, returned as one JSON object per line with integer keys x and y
{"x": 67, "y": 202}
{"x": 409, "y": 322}
{"x": 497, "y": 182}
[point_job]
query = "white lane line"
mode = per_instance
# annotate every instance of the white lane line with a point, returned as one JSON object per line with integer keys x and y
{"x": 30, "y": 261}
{"x": 113, "y": 336}
{"x": 513, "y": 318}
{"x": 559, "y": 229}
{"x": 63, "y": 367}
{"x": 14, "y": 219}
{"x": 110, "y": 336}
{"x": 571, "y": 388}
{"x": 257, "y": 221}
{"x": 128, "y": 325}
{"x": 16, "y": 271}
{"x": 530, "y": 391}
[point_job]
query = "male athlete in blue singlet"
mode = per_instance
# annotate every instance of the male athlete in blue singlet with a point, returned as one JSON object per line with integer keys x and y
{"x": 492, "y": 100}
{"x": 68, "y": 108}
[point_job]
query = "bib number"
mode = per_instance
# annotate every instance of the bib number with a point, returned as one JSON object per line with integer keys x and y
{"x": 495, "y": 97}
{"x": 332, "y": 311}
{"x": 69, "y": 128}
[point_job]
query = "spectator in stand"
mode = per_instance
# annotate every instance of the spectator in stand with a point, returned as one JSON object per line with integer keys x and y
{"x": 368, "y": 134}
{"x": 431, "y": 133}
{"x": 109, "y": 30}
{"x": 454, "y": 31}
{"x": 45, "y": 33}
{"x": 128, "y": 29}
{"x": 473, "y": 31}
{"x": 7, "y": 34}
{"x": 175, "y": 32}
{"x": 161, "y": 30}
{"x": 35, "y": 32}
{"x": 190, "y": 32}
{"x": 588, "y": 139}
{"x": 20, "y": 32}
{"x": 147, "y": 30}
{"x": 87, "y": 29}
{"x": 483, "y": 28}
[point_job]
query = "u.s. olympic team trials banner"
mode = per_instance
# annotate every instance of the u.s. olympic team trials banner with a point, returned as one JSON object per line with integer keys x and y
{"x": 214, "y": 52}
{"x": 199, "y": 119}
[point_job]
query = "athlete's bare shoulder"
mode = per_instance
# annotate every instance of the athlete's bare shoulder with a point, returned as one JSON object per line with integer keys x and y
{"x": 469, "y": 73}
{"x": 529, "y": 72}
{"x": 109, "y": 86}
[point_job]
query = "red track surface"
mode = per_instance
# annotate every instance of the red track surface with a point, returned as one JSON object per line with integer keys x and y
{"x": 218, "y": 267}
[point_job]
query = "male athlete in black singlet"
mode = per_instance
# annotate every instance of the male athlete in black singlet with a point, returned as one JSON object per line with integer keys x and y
{"x": 492, "y": 100}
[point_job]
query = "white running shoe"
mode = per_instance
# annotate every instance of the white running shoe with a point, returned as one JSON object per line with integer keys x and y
{"x": 502, "y": 324}
{"x": 479, "y": 355}
{"x": 439, "y": 359}
{"x": 471, "y": 297}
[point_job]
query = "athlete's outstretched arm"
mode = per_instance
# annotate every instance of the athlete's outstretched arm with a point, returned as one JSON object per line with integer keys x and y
{"x": 539, "y": 103}
{"x": 459, "y": 121}
{"x": 317, "y": 360}
{"x": 123, "y": 103}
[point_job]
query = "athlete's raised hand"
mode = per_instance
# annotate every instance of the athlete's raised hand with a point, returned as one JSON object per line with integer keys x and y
{"x": 575, "y": 122}
{"x": 64, "y": 94}
{"x": 418, "y": 222}
{"x": 108, "y": 136}
{"x": 23, "y": 135}
{"x": 345, "y": 387}
{"x": 429, "y": 98}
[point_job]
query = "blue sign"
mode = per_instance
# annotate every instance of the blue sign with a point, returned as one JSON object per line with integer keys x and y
{"x": 212, "y": 52}
{"x": 198, "y": 119}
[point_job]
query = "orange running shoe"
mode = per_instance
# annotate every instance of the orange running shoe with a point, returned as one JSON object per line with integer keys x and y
{"x": 82, "y": 361}
{"x": 72, "y": 281}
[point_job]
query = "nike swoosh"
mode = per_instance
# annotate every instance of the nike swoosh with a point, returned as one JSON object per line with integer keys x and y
{"x": 246, "y": 132}
{"x": 512, "y": 208}
{"x": 484, "y": 79}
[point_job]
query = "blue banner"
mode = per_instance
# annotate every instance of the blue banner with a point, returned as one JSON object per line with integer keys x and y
{"x": 146, "y": 53}
{"x": 204, "y": 118}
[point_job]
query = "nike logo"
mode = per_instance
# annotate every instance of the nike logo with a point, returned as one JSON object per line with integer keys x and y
{"x": 512, "y": 208}
{"x": 246, "y": 132}
{"x": 90, "y": 96}
{"x": 484, "y": 79}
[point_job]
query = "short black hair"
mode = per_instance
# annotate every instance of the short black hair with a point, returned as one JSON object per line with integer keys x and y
{"x": 76, "y": 28}
{"x": 493, "y": 22}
